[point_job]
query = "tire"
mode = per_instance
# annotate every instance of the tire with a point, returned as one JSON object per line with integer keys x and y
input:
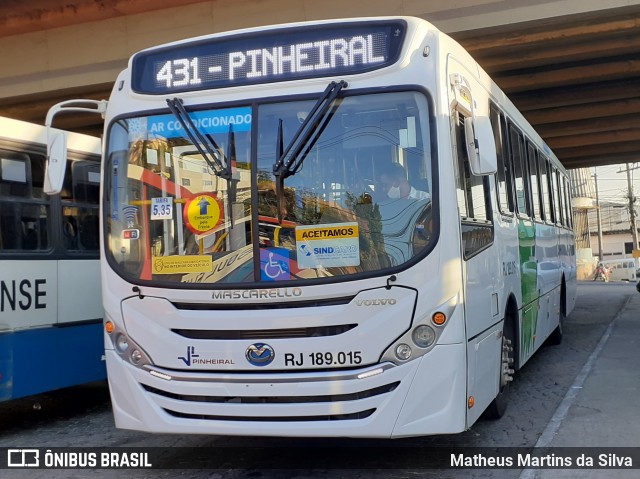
{"x": 498, "y": 406}
{"x": 555, "y": 338}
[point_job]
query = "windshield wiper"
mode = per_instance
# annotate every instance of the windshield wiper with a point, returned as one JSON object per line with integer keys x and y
{"x": 205, "y": 144}
{"x": 232, "y": 183}
{"x": 218, "y": 163}
{"x": 289, "y": 160}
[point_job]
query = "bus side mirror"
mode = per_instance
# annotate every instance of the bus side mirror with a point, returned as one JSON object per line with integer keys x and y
{"x": 56, "y": 162}
{"x": 481, "y": 147}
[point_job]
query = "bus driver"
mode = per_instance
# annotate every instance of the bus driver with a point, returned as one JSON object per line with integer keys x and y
{"x": 394, "y": 183}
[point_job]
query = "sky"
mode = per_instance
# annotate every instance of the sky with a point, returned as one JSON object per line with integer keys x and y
{"x": 612, "y": 182}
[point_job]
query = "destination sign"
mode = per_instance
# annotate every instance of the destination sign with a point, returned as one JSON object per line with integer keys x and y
{"x": 274, "y": 55}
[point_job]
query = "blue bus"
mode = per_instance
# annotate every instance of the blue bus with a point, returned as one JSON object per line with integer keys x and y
{"x": 50, "y": 307}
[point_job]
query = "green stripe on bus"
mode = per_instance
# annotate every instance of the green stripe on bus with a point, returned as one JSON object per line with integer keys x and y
{"x": 529, "y": 284}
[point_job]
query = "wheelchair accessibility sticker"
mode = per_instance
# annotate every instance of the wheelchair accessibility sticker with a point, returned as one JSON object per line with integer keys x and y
{"x": 329, "y": 245}
{"x": 274, "y": 264}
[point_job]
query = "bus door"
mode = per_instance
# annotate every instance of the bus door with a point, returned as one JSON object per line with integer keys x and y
{"x": 481, "y": 280}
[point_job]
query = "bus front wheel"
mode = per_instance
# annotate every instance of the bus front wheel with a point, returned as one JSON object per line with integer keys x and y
{"x": 498, "y": 406}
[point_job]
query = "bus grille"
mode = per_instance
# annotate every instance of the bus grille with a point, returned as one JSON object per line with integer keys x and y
{"x": 277, "y": 399}
{"x": 313, "y": 303}
{"x": 329, "y": 417}
{"x": 311, "y": 332}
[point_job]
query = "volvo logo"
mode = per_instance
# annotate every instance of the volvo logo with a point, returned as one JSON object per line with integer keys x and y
{"x": 375, "y": 302}
{"x": 260, "y": 354}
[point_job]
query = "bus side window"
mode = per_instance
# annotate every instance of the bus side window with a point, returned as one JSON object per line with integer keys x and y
{"x": 532, "y": 156}
{"x": 503, "y": 174}
{"x": 552, "y": 206}
{"x": 474, "y": 198}
{"x": 563, "y": 198}
{"x": 462, "y": 166}
{"x": 80, "y": 196}
{"x": 567, "y": 189}
{"x": 557, "y": 204}
{"x": 519, "y": 170}
{"x": 24, "y": 209}
{"x": 544, "y": 188}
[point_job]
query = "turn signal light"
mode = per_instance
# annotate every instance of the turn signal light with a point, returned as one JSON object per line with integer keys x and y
{"x": 439, "y": 318}
{"x": 109, "y": 327}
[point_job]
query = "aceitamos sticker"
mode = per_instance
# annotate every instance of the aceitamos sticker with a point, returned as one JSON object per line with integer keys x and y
{"x": 328, "y": 245}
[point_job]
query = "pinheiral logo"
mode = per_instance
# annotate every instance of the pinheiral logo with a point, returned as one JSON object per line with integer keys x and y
{"x": 260, "y": 354}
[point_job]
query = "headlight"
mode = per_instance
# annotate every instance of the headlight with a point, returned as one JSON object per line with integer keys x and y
{"x": 136, "y": 356}
{"x": 424, "y": 336}
{"x": 122, "y": 343}
{"x": 403, "y": 352}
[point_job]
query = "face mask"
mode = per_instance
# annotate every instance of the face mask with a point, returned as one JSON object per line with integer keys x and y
{"x": 394, "y": 192}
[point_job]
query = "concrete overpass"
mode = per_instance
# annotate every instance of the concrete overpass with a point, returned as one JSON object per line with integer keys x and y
{"x": 571, "y": 66}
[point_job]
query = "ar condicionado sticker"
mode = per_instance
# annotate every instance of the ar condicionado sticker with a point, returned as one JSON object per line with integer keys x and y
{"x": 202, "y": 213}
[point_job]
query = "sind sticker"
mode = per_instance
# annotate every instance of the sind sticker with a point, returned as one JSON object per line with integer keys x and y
{"x": 181, "y": 264}
{"x": 329, "y": 245}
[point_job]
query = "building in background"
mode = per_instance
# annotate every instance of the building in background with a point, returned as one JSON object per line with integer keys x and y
{"x": 617, "y": 241}
{"x": 604, "y": 195}
{"x": 584, "y": 201}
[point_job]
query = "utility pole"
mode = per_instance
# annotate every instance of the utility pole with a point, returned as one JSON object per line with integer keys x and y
{"x": 632, "y": 210}
{"x": 595, "y": 179}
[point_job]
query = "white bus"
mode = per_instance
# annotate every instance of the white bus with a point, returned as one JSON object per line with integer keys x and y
{"x": 623, "y": 269}
{"x": 50, "y": 303}
{"x": 335, "y": 228}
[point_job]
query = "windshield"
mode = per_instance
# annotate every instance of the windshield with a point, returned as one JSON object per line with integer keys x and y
{"x": 357, "y": 202}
